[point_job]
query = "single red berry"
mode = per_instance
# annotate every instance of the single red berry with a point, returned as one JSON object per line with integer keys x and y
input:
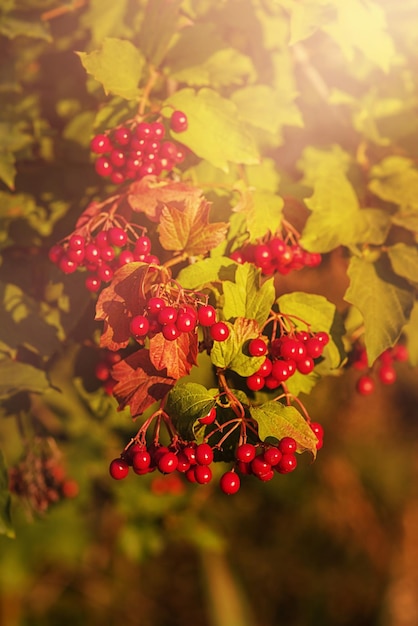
{"x": 206, "y": 315}
{"x": 158, "y": 130}
{"x": 314, "y": 347}
{"x": 265, "y": 368}
{"x": 267, "y": 476}
{"x": 245, "y": 453}
{"x": 100, "y": 144}
{"x": 107, "y": 254}
{"x": 167, "y": 315}
{"x": 387, "y": 374}
{"x": 305, "y": 365}
{"x": 143, "y": 130}
{"x": 121, "y": 135}
{"x": 271, "y": 382}
{"x": 141, "y": 460}
{"x": 209, "y": 418}
{"x": 277, "y": 247}
{"x": 400, "y": 352}
{"x": 190, "y": 452}
{"x": 102, "y": 371}
{"x": 170, "y": 331}
{"x": 287, "y": 464}
{"x": 272, "y": 455}
{"x": 125, "y": 257}
{"x": 237, "y": 256}
{"x": 167, "y": 463}
{"x": 255, "y": 382}
{"x": 139, "y": 326}
{"x": 55, "y": 253}
{"x": 319, "y": 433}
{"x": 103, "y": 166}
{"x": 287, "y": 445}
{"x": 101, "y": 239}
{"x": 66, "y": 265}
{"x": 117, "y": 236}
{"x": 204, "y": 454}
{"x": 365, "y": 385}
{"x": 185, "y": 322}
{"x": 178, "y": 121}
{"x": 257, "y": 347}
{"x": 118, "y": 469}
{"x": 262, "y": 255}
{"x": 203, "y": 474}
{"x": 190, "y": 474}
{"x": 230, "y": 483}
{"x": 155, "y": 305}
{"x": 76, "y": 242}
{"x": 183, "y": 463}
{"x": 92, "y": 283}
{"x": 142, "y": 245}
{"x": 259, "y": 466}
{"x": 280, "y": 370}
{"x": 322, "y": 337}
{"x": 219, "y": 331}
{"x": 91, "y": 253}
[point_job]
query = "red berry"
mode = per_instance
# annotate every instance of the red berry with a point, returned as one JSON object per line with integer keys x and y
{"x": 102, "y": 371}
{"x": 92, "y": 283}
{"x": 143, "y": 130}
{"x": 76, "y": 242}
{"x": 265, "y": 368}
{"x": 139, "y": 326}
{"x": 121, "y": 135}
{"x": 230, "y": 483}
{"x": 257, "y": 347}
{"x": 204, "y": 454}
{"x": 170, "y": 331}
{"x": 117, "y": 236}
{"x": 178, "y": 122}
{"x": 142, "y": 246}
{"x": 272, "y": 455}
{"x": 125, "y": 257}
{"x": 255, "y": 382}
{"x": 155, "y": 305}
{"x": 287, "y": 464}
{"x": 280, "y": 370}
{"x": 245, "y": 452}
{"x": 262, "y": 255}
{"x": 100, "y": 144}
{"x": 118, "y": 469}
{"x": 365, "y": 385}
{"x": 305, "y": 365}
{"x": 203, "y": 474}
{"x": 219, "y": 331}
{"x": 400, "y": 352}
{"x": 91, "y": 253}
{"x": 209, "y": 418}
{"x": 259, "y": 466}
{"x": 185, "y": 322}
{"x": 141, "y": 460}
{"x": 167, "y": 315}
{"x": 322, "y": 337}
{"x": 158, "y": 130}
{"x": 387, "y": 374}
{"x": 167, "y": 463}
{"x": 206, "y": 315}
{"x": 103, "y": 166}
{"x": 314, "y": 347}
{"x": 287, "y": 445}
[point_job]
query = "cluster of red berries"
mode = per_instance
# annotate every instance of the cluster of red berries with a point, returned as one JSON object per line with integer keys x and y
{"x": 174, "y": 319}
{"x": 276, "y": 255}
{"x": 386, "y": 372}
{"x": 101, "y": 255}
{"x": 103, "y": 370}
{"x": 193, "y": 460}
{"x": 285, "y": 355}
{"x": 138, "y": 149}
{"x": 41, "y": 479}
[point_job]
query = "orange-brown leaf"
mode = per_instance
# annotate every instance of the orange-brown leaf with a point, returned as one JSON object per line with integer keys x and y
{"x": 186, "y": 228}
{"x": 177, "y": 357}
{"x": 139, "y": 383}
{"x": 150, "y": 195}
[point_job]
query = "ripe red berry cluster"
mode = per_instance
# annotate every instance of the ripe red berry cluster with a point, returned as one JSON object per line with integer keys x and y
{"x": 276, "y": 255}
{"x": 41, "y": 479}
{"x": 102, "y": 254}
{"x": 138, "y": 149}
{"x": 285, "y": 355}
{"x": 173, "y": 319}
{"x": 103, "y": 370}
{"x": 193, "y": 460}
{"x": 386, "y": 372}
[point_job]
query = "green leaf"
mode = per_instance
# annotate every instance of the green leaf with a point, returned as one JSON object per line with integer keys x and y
{"x": 232, "y": 353}
{"x": 23, "y": 323}
{"x": 211, "y": 119}
{"x": 318, "y": 163}
{"x": 105, "y": 18}
{"x": 16, "y": 376}
{"x": 6, "y": 527}
{"x": 263, "y": 107}
{"x": 11, "y": 27}
{"x": 384, "y": 299}
{"x": 117, "y": 65}
{"x": 404, "y": 261}
{"x": 262, "y": 209}
{"x": 334, "y": 203}
{"x": 186, "y": 402}
{"x": 263, "y": 176}
{"x": 247, "y": 297}
{"x": 361, "y": 26}
{"x": 7, "y": 169}
{"x": 202, "y": 273}
{"x": 278, "y": 421}
{"x": 158, "y": 27}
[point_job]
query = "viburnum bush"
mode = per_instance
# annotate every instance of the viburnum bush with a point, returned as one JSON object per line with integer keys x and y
{"x": 201, "y": 220}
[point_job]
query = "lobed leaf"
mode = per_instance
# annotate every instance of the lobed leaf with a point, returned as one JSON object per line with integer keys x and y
{"x": 276, "y": 420}
{"x": 176, "y": 357}
{"x": 404, "y": 261}
{"x": 139, "y": 383}
{"x": 384, "y": 299}
{"x": 247, "y": 296}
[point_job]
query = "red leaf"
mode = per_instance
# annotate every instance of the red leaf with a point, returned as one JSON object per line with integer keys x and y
{"x": 139, "y": 384}
{"x": 150, "y": 195}
{"x": 186, "y": 228}
{"x": 177, "y": 357}
{"x": 125, "y": 297}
